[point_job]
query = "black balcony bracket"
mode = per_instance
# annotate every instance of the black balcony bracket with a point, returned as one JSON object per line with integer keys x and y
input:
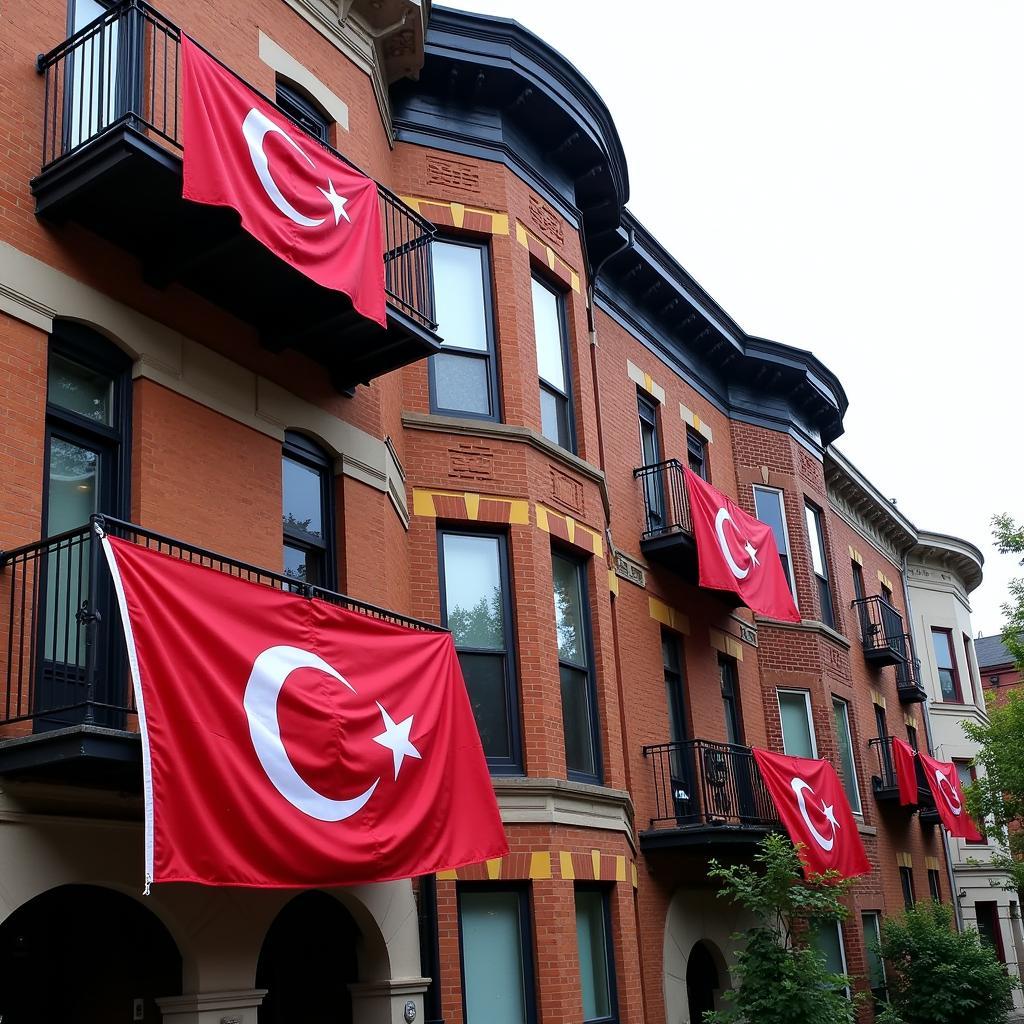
{"x": 667, "y": 537}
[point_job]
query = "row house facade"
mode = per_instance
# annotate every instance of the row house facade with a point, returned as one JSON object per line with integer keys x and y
{"x": 503, "y": 459}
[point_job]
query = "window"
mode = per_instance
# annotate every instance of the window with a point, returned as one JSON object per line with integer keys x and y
{"x": 969, "y": 663}
{"x": 697, "y": 453}
{"x": 597, "y": 968}
{"x": 771, "y": 510}
{"x": 945, "y": 662}
{"x": 907, "y": 885}
{"x": 827, "y": 939}
{"x": 886, "y": 595}
{"x": 650, "y": 454}
{"x": 845, "y": 740}
{"x": 497, "y": 959}
{"x": 93, "y": 97}
{"x": 553, "y": 365}
{"x": 729, "y": 678}
{"x": 475, "y": 606}
{"x": 579, "y": 710}
{"x": 873, "y": 960}
{"x": 967, "y": 773}
{"x": 797, "y": 724}
{"x": 819, "y": 562}
{"x": 912, "y": 736}
{"x": 302, "y": 110}
{"x": 933, "y": 885}
{"x": 463, "y": 376}
{"x": 673, "y": 686}
{"x": 307, "y": 512}
{"x": 858, "y": 580}
{"x": 987, "y": 914}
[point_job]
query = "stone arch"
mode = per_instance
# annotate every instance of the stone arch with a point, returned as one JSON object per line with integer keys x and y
{"x": 77, "y": 326}
{"x": 706, "y": 974}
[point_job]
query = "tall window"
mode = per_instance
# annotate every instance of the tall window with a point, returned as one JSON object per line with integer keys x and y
{"x": 553, "y": 365}
{"x": 987, "y": 914}
{"x": 497, "y": 958}
{"x": 650, "y": 453}
{"x": 697, "y": 453}
{"x": 579, "y": 710}
{"x": 945, "y": 662}
{"x": 729, "y": 679}
{"x": 844, "y": 737}
{"x": 307, "y": 512}
{"x": 463, "y": 375}
{"x": 858, "y": 580}
{"x": 771, "y": 510}
{"x": 819, "y": 562}
{"x": 476, "y": 608}
{"x": 797, "y": 724}
{"x": 827, "y": 938}
{"x": 673, "y": 686}
{"x": 907, "y": 885}
{"x": 876, "y": 966}
{"x": 597, "y": 967}
{"x": 933, "y": 885}
{"x": 92, "y": 74}
{"x": 969, "y": 663}
{"x": 302, "y": 110}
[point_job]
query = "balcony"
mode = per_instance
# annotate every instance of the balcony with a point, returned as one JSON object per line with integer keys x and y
{"x": 67, "y": 709}
{"x": 908, "y": 681}
{"x": 883, "y": 635}
{"x": 112, "y": 163}
{"x": 884, "y": 782}
{"x": 668, "y": 530}
{"x": 707, "y": 794}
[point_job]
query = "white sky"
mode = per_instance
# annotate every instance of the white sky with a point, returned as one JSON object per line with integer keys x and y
{"x": 846, "y": 178}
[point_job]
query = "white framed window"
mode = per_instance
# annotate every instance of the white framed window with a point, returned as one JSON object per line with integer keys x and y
{"x": 797, "y": 724}
{"x": 770, "y": 508}
{"x": 841, "y": 710}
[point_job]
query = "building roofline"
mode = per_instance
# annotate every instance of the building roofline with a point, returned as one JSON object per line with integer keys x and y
{"x": 953, "y": 553}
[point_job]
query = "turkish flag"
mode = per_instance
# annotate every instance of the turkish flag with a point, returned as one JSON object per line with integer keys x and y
{"x": 297, "y": 197}
{"x": 737, "y": 552}
{"x": 291, "y": 742}
{"x": 906, "y": 771}
{"x": 944, "y": 783}
{"x": 812, "y": 805}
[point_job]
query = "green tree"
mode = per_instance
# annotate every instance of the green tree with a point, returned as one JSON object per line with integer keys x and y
{"x": 1009, "y": 538}
{"x": 783, "y": 979}
{"x": 936, "y": 975}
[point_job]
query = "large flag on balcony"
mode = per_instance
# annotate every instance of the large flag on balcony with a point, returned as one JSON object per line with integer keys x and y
{"x": 812, "y": 805}
{"x": 298, "y": 198}
{"x": 290, "y": 742}
{"x": 737, "y": 552}
{"x": 944, "y": 783}
{"x": 906, "y": 770}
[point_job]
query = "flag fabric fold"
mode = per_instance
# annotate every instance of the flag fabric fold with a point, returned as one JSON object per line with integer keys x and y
{"x": 906, "y": 771}
{"x": 944, "y": 783}
{"x": 289, "y": 742}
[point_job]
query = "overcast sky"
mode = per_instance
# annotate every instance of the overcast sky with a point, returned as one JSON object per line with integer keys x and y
{"x": 847, "y": 178}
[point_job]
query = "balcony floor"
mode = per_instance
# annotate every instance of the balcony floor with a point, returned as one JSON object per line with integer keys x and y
{"x": 86, "y": 755}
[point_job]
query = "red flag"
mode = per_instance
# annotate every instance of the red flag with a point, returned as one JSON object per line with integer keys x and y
{"x": 906, "y": 771}
{"x": 812, "y": 805}
{"x": 944, "y": 783}
{"x": 302, "y": 201}
{"x": 737, "y": 552}
{"x": 290, "y": 742}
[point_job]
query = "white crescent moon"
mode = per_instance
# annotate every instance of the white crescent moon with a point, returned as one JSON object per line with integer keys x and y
{"x": 255, "y": 128}
{"x": 723, "y": 515}
{"x": 939, "y": 780}
{"x": 798, "y": 787}
{"x": 269, "y": 672}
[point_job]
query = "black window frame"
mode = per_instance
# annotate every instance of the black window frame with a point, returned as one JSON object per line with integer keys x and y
{"x": 934, "y": 886}
{"x": 732, "y": 708}
{"x": 580, "y": 566}
{"x": 563, "y": 331}
{"x": 526, "y": 944}
{"x": 697, "y": 452}
{"x": 879, "y": 992}
{"x": 654, "y": 489}
{"x": 307, "y": 453}
{"x": 958, "y": 693}
{"x": 907, "y": 886}
{"x": 302, "y": 110}
{"x": 675, "y": 683}
{"x": 786, "y": 547}
{"x": 490, "y": 356}
{"x": 609, "y": 950}
{"x": 826, "y": 602}
{"x": 513, "y": 764}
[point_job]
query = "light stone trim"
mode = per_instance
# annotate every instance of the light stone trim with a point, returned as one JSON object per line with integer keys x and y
{"x": 689, "y": 417}
{"x": 806, "y": 626}
{"x": 644, "y": 380}
{"x": 197, "y": 1008}
{"x": 278, "y": 59}
{"x": 36, "y": 293}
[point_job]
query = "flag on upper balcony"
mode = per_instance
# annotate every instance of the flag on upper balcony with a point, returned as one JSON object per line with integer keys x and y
{"x": 903, "y": 755}
{"x": 813, "y": 807}
{"x": 291, "y": 742}
{"x": 944, "y": 783}
{"x": 737, "y": 552}
{"x": 295, "y": 196}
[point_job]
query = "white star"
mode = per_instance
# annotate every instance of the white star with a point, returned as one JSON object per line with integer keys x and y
{"x": 829, "y": 812}
{"x": 337, "y": 202}
{"x": 396, "y": 738}
{"x": 752, "y": 552}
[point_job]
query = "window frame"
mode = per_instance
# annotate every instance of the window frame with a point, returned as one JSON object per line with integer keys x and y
{"x": 696, "y": 440}
{"x": 879, "y": 992}
{"x": 806, "y": 694}
{"x": 732, "y": 707}
{"x": 302, "y": 450}
{"x": 968, "y": 648}
{"x": 512, "y": 765}
{"x": 991, "y": 907}
{"x": 907, "y": 886}
{"x": 563, "y": 332}
{"x": 675, "y": 681}
{"x": 788, "y": 566}
{"x": 842, "y": 948}
{"x": 968, "y": 765}
{"x": 609, "y": 950}
{"x": 826, "y": 598}
{"x": 957, "y": 686}
{"x": 300, "y": 108}
{"x": 490, "y": 356}
{"x": 934, "y": 885}
{"x": 838, "y": 702}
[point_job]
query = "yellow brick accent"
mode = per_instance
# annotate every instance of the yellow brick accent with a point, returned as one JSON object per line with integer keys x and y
{"x": 565, "y": 868}
{"x": 499, "y": 220}
{"x": 423, "y": 504}
{"x": 904, "y": 860}
{"x": 447, "y": 876}
{"x": 931, "y": 863}
{"x": 613, "y": 582}
{"x": 595, "y": 858}
{"x": 885, "y": 581}
{"x": 458, "y": 213}
{"x": 572, "y": 528}
{"x": 636, "y": 880}
{"x": 620, "y": 868}
{"x": 668, "y": 616}
{"x": 690, "y": 417}
{"x": 877, "y": 698}
{"x": 494, "y": 869}
{"x": 540, "y": 864}
{"x": 726, "y": 644}
{"x": 855, "y": 555}
{"x": 523, "y": 236}
{"x": 642, "y": 379}
{"x": 472, "y": 505}
{"x": 910, "y": 720}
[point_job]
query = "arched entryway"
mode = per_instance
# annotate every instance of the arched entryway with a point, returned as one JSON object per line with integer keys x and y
{"x": 702, "y": 981}
{"x": 85, "y": 954}
{"x": 307, "y": 962}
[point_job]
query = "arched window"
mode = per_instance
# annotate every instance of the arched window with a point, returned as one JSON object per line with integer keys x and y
{"x": 307, "y": 513}
{"x": 301, "y": 109}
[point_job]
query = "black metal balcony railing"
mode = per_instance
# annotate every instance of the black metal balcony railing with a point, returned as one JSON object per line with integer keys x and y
{"x": 123, "y": 69}
{"x": 61, "y": 643}
{"x": 884, "y": 780}
{"x": 908, "y": 681}
{"x": 883, "y": 635}
{"x": 666, "y": 506}
{"x": 701, "y": 783}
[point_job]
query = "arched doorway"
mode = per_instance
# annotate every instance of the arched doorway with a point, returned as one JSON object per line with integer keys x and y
{"x": 702, "y": 982}
{"x": 85, "y": 954}
{"x": 307, "y": 962}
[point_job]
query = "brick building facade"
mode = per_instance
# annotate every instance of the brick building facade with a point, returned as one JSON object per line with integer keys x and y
{"x": 520, "y": 485}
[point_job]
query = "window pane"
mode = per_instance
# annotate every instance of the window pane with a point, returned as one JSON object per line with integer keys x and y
{"x": 73, "y": 486}
{"x": 826, "y": 939}
{"x": 303, "y": 498}
{"x": 814, "y": 534}
{"x": 593, "y": 950}
{"x": 459, "y": 295}
{"x": 849, "y": 771}
{"x": 547, "y": 329}
{"x": 486, "y": 686}
{"x": 768, "y": 505}
{"x": 876, "y": 970}
{"x": 568, "y": 611}
{"x": 943, "y": 655}
{"x": 492, "y": 958}
{"x": 304, "y": 566}
{"x": 460, "y": 383}
{"x": 554, "y": 417}
{"x": 79, "y": 390}
{"x": 472, "y": 583}
{"x": 797, "y": 738}
{"x": 576, "y": 725}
